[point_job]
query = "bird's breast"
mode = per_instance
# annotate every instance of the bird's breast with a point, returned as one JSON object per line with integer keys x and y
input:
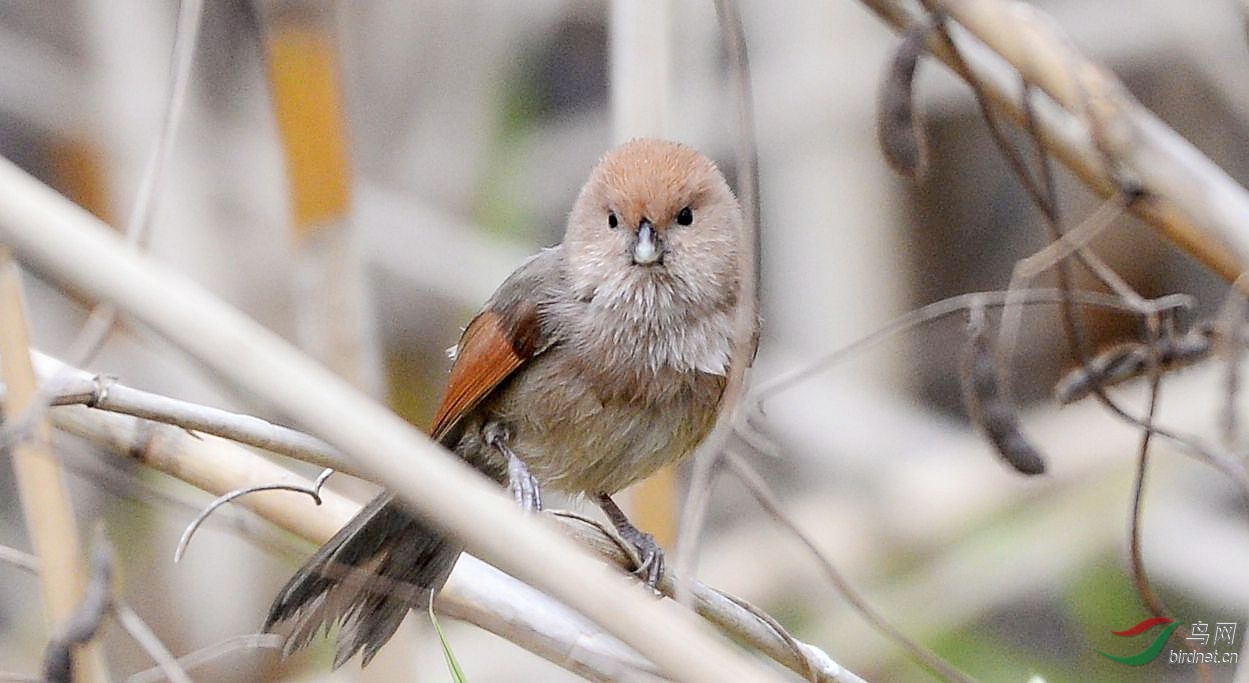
{"x": 580, "y": 434}
{"x": 631, "y": 382}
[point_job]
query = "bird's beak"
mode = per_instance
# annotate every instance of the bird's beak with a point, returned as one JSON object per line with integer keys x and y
{"x": 648, "y": 248}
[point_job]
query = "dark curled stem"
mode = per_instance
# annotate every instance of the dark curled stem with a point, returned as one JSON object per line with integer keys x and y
{"x": 988, "y": 406}
{"x": 898, "y": 127}
{"x": 1129, "y": 360}
{"x": 58, "y": 658}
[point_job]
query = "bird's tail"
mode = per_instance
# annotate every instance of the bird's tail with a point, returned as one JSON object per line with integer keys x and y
{"x": 383, "y": 563}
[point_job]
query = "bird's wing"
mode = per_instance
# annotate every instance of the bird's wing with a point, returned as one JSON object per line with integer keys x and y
{"x": 506, "y": 333}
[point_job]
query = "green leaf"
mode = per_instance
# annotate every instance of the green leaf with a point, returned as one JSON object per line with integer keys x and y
{"x": 453, "y": 666}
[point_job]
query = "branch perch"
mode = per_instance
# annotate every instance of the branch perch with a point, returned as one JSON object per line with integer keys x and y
{"x": 69, "y": 386}
{"x": 477, "y": 593}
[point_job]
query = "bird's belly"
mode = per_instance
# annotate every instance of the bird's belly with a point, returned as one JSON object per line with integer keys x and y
{"x": 608, "y": 448}
{"x": 582, "y": 437}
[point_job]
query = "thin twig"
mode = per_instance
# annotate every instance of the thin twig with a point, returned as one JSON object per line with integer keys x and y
{"x": 1137, "y": 563}
{"x": 1047, "y": 202}
{"x": 68, "y": 386}
{"x": 941, "y": 309}
{"x": 186, "y": 39}
{"x": 962, "y": 302}
{"x": 94, "y": 331}
{"x": 1140, "y": 578}
{"x": 142, "y": 634}
{"x": 206, "y": 655}
{"x": 314, "y": 491}
{"x": 19, "y": 559}
{"x": 746, "y": 321}
{"x": 811, "y": 674}
{"x": 759, "y": 488}
{"x": 1054, "y": 253}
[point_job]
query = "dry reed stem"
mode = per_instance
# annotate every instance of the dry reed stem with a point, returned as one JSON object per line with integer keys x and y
{"x": 67, "y": 385}
{"x": 41, "y": 487}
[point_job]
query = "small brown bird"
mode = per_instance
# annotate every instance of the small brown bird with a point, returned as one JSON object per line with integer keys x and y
{"x": 595, "y": 363}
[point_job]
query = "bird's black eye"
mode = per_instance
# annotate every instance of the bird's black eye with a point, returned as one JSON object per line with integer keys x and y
{"x": 611, "y": 220}
{"x": 685, "y": 216}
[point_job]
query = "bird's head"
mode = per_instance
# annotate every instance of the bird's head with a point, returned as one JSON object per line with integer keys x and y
{"x": 654, "y": 212}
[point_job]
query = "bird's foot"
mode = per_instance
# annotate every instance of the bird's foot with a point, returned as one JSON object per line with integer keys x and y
{"x": 523, "y": 486}
{"x": 650, "y": 567}
{"x": 521, "y": 483}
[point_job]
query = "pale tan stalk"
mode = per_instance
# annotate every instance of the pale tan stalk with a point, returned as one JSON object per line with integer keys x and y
{"x": 40, "y": 483}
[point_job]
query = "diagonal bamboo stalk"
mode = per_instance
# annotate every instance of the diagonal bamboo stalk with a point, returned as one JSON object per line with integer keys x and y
{"x": 41, "y": 487}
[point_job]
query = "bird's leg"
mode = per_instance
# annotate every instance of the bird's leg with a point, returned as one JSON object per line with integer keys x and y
{"x": 520, "y": 482}
{"x": 651, "y": 555}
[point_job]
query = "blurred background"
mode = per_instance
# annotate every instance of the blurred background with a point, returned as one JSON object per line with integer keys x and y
{"x": 360, "y": 176}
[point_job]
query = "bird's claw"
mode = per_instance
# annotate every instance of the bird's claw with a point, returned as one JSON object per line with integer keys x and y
{"x": 522, "y": 484}
{"x": 651, "y": 562}
{"x": 650, "y": 557}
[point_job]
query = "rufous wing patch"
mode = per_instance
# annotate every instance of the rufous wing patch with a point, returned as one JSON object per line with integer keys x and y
{"x": 493, "y": 346}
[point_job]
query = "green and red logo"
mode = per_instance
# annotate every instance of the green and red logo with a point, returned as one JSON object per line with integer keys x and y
{"x": 1149, "y": 653}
